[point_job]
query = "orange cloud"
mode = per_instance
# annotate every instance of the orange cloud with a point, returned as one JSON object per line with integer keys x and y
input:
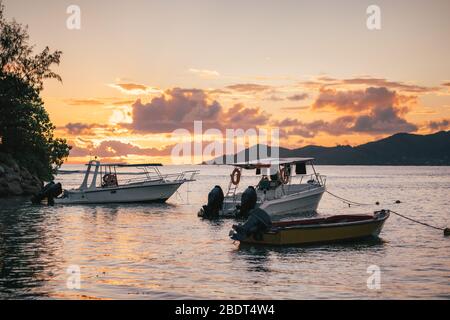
{"x": 84, "y": 102}
{"x": 123, "y": 102}
{"x": 205, "y": 73}
{"x": 114, "y": 148}
{"x": 179, "y": 108}
{"x": 359, "y": 100}
{"x": 135, "y": 88}
{"x": 378, "y": 110}
{"x": 298, "y": 97}
{"x": 249, "y": 87}
{"x": 325, "y": 81}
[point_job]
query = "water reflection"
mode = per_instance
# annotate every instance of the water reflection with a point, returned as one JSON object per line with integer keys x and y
{"x": 166, "y": 251}
{"x": 27, "y": 250}
{"x": 258, "y": 257}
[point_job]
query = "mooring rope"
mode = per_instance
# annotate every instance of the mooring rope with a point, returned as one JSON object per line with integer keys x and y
{"x": 354, "y": 203}
{"x": 350, "y": 202}
{"x": 419, "y": 222}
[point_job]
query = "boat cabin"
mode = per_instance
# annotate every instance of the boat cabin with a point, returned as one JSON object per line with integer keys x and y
{"x": 276, "y": 172}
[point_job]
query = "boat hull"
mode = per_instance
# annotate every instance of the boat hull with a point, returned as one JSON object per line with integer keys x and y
{"x": 304, "y": 202}
{"x": 125, "y": 194}
{"x": 319, "y": 233}
{"x": 301, "y": 203}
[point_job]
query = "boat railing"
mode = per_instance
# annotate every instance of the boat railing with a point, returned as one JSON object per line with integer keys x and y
{"x": 188, "y": 175}
{"x": 170, "y": 177}
{"x": 321, "y": 179}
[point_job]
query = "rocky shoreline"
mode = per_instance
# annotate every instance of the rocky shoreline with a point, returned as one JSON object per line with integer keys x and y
{"x": 17, "y": 181}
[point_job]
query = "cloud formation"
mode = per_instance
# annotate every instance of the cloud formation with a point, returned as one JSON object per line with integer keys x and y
{"x": 374, "y": 110}
{"x": 443, "y": 124}
{"x": 204, "y": 73}
{"x": 298, "y": 97}
{"x": 383, "y": 120}
{"x": 325, "y": 81}
{"x": 79, "y": 128}
{"x": 179, "y": 108}
{"x": 359, "y": 100}
{"x": 135, "y": 88}
{"x": 114, "y": 148}
{"x": 249, "y": 87}
{"x": 85, "y": 102}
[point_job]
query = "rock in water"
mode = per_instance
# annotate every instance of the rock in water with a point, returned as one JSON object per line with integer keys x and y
{"x": 16, "y": 181}
{"x": 15, "y": 188}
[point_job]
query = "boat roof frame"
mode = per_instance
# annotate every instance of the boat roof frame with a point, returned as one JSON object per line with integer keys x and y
{"x": 127, "y": 165}
{"x": 268, "y": 162}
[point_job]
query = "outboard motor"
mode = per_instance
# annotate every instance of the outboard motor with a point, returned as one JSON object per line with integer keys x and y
{"x": 258, "y": 222}
{"x": 50, "y": 191}
{"x": 248, "y": 201}
{"x": 215, "y": 202}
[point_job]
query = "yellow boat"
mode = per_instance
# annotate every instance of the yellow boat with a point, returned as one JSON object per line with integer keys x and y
{"x": 259, "y": 230}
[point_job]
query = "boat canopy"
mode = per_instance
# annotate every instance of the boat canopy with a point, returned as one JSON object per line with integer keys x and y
{"x": 128, "y": 165}
{"x": 141, "y": 165}
{"x": 268, "y": 162}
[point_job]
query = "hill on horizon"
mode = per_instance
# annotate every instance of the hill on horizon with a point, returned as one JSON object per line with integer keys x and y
{"x": 398, "y": 149}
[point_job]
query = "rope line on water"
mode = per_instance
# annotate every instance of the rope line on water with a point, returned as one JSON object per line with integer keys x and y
{"x": 349, "y": 202}
{"x": 416, "y": 221}
{"x": 354, "y": 203}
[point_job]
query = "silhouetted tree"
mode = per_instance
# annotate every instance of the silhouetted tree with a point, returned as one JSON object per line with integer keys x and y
{"x": 25, "y": 127}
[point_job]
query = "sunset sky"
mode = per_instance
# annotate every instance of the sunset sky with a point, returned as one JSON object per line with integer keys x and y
{"x": 137, "y": 70}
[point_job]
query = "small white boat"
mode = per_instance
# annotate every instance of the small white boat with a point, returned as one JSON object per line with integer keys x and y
{"x": 276, "y": 193}
{"x": 153, "y": 187}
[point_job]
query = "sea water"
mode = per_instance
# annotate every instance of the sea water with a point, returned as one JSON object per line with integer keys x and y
{"x": 155, "y": 251}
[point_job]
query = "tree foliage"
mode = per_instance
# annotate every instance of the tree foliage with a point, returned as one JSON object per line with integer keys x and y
{"x": 25, "y": 127}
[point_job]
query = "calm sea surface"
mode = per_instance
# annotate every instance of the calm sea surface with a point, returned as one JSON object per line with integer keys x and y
{"x": 164, "y": 251}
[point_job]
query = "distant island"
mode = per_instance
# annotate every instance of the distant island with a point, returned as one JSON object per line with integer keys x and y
{"x": 401, "y": 149}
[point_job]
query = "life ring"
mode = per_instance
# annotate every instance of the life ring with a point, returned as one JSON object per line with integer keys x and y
{"x": 110, "y": 179}
{"x": 236, "y": 176}
{"x": 284, "y": 175}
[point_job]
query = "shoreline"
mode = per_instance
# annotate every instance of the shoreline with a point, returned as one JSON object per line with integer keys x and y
{"x": 17, "y": 181}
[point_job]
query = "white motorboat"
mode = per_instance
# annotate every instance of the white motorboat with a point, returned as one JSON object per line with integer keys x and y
{"x": 152, "y": 187}
{"x": 276, "y": 193}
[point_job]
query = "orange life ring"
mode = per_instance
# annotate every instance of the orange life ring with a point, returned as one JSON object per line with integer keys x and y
{"x": 110, "y": 179}
{"x": 236, "y": 176}
{"x": 284, "y": 175}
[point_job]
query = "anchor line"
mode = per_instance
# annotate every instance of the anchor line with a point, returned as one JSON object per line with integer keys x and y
{"x": 416, "y": 221}
{"x": 350, "y": 202}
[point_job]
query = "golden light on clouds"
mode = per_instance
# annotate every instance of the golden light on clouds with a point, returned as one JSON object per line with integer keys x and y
{"x": 135, "y": 89}
{"x": 125, "y": 89}
{"x": 323, "y": 110}
{"x": 121, "y": 114}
